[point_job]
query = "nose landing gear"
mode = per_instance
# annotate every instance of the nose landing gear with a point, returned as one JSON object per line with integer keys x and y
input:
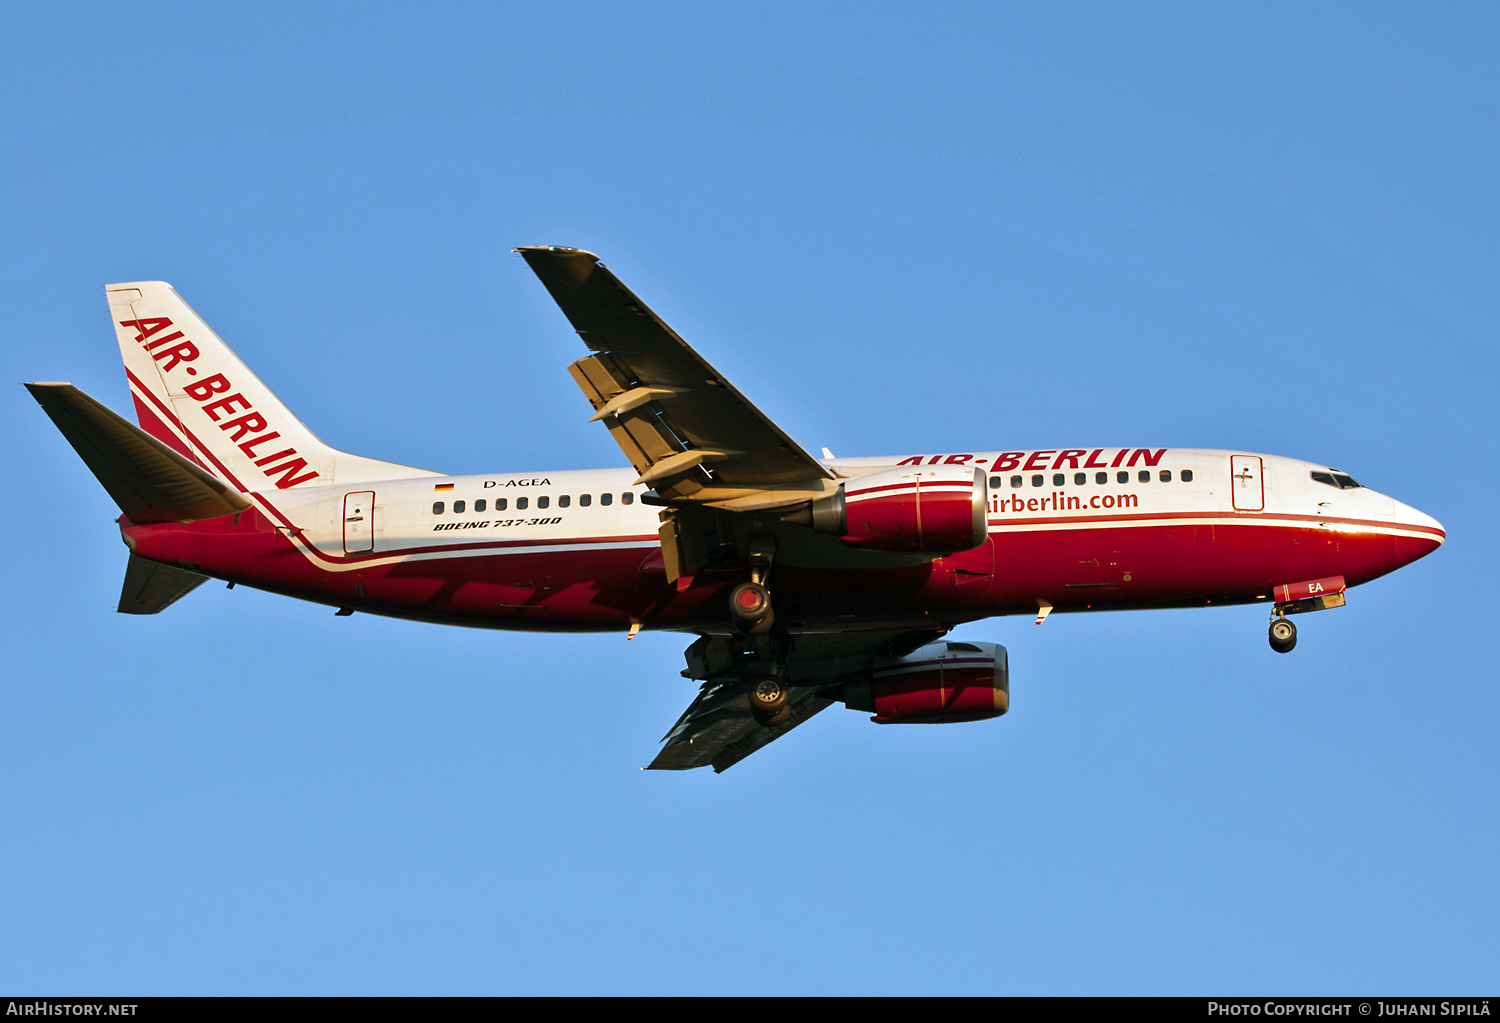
{"x": 1300, "y": 598}
{"x": 1283, "y": 635}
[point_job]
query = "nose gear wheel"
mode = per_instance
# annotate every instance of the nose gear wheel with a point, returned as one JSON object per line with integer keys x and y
{"x": 1283, "y": 635}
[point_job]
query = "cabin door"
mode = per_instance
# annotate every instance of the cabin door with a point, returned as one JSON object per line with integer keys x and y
{"x": 1246, "y": 483}
{"x": 359, "y": 522}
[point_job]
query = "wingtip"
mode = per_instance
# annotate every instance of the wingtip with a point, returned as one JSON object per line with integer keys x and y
{"x": 565, "y": 250}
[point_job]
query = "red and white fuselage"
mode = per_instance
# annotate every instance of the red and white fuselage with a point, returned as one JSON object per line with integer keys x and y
{"x": 1070, "y": 529}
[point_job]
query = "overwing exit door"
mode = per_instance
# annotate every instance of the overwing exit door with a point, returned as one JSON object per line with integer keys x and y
{"x": 359, "y": 522}
{"x": 1246, "y": 483}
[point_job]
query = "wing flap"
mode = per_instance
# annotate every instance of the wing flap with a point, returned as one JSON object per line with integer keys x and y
{"x": 644, "y": 442}
{"x": 687, "y": 404}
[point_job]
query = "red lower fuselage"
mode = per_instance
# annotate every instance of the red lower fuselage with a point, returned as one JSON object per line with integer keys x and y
{"x": 1166, "y": 548}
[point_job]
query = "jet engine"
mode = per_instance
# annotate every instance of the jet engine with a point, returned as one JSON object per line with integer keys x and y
{"x": 936, "y": 509}
{"x": 940, "y": 683}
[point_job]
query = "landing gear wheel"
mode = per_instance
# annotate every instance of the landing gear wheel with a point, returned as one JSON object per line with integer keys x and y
{"x": 750, "y": 608}
{"x": 1283, "y": 636}
{"x": 769, "y": 703}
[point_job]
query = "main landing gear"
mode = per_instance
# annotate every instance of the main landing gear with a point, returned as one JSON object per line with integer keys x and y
{"x": 750, "y": 607}
{"x": 769, "y": 702}
{"x": 751, "y": 612}
{"x": 750, "y": 603}
{"x": 1283, "y": 635}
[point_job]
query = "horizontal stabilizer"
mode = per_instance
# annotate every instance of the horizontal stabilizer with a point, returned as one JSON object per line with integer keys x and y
{"x": 151, "y": 587}
{"x": 148, "y": 480}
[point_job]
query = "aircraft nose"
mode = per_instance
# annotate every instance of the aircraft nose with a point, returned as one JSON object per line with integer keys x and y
{"x": 1421, "y": 534}
{"x": 1408, "y": 516}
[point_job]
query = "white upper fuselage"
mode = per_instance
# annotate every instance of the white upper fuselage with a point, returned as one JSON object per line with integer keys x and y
{"x": 422, "y": 517}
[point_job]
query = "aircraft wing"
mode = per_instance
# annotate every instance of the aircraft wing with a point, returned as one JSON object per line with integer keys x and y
{"x": 717, "y": 728}
{"x": 689, "y": 433}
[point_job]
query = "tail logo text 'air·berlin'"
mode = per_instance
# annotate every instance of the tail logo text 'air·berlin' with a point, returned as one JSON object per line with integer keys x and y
{"x": 248, "y": 429}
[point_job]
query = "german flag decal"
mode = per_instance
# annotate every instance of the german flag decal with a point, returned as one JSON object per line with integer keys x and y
{"x": 442, "y": 486}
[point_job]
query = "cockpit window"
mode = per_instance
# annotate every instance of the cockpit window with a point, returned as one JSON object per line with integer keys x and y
{"x": 1335, "y": 479}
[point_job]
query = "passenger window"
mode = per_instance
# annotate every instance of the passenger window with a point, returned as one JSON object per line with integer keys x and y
{"x": 995, "y": 482}
{"x": 607, "y": 498}
{"x": 1122, "y": 476}
{"x": 1165, "y": 475}
{"x": 437, "y": 507}
{"x": 542, "y": 502}
{"x": 521, "y": 503}
{"x": 1058, "y": 479}
{"x": 564, "y": 501}
{"x": 1080, "y": 478}
{"x": 627, "y": 498}
{"x": 480, "y": 505}
{"x": 500, "y": 504}
{"x": 584, "y": 500}
{"x": 458, "y": 507}
{"x": 1038, "y": 480}
{"x": 1187, "y": 476}
{"x": 1016, "y": 481}
{"x": 1144, "y": 475}
{"x": 1101, "y": 477}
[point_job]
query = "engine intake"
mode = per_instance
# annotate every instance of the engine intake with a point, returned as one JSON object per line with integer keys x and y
{"x": 940, "y": 683}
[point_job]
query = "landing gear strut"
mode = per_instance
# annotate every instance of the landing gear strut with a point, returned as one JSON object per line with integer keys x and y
{"x": 1283, "y": 635}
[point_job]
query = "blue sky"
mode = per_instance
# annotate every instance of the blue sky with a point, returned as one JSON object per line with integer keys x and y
{"x": 897, "y": 228}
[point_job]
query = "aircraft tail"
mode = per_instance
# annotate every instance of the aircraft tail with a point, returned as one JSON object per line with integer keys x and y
{"x": 194, "y": 395}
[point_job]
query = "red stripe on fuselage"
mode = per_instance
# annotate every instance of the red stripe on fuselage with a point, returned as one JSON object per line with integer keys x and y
{"x": 1266, "y": 519}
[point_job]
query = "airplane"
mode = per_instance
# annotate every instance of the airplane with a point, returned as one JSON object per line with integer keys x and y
{"x": 872, "y": 561}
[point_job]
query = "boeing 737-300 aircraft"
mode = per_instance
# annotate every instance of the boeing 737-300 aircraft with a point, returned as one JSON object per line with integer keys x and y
{"x": 808, "y": 581}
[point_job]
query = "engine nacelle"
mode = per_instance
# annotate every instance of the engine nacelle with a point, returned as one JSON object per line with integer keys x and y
{"x": 939, "y": 683}
{"x": 932, "y": 509}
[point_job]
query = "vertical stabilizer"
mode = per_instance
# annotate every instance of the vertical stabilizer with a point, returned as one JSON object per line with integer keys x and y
{"x": 195, "y": 395}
